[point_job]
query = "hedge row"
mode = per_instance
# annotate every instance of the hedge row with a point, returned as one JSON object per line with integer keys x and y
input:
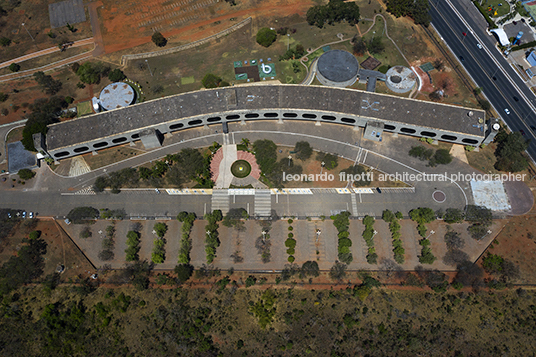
{"x": 368, "y": 236}
{"x": 211, "y": 237}
{"x": 342, "y": 222}
{"x": 187, "y": 220}
{"x": 290, "y": 243}
{"x": 394, "y": 227}
{"x": 133, "y": 243}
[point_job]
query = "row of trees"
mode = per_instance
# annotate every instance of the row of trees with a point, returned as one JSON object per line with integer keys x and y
{"x": 212, "y": 240}
{"x": 394, "y": 227}
{"x": 341, "y": 221}
{"x": 158, "y": 255}
{"x": 368, "y": 236}
{"x": 333, "y": 12}
{"x": 187, "y": 220}
{"x": 416, "y": 9}
{"x": 290, "y": 243}
{"x": 434, "y": 158}
{"x": 423, "y": 215}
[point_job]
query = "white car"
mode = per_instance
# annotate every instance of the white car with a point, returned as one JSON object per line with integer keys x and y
{"x": 31, "y": 215}
{"x": 506, "y": 111}
{"x": 478, "y": 45}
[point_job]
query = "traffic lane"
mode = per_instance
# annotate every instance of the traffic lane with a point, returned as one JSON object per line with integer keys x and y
{"x": 148, "y": 204}
{"x": 499, "y": 92}
{"x": 490, "y": 42}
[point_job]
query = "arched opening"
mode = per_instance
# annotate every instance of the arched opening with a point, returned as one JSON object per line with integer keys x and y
{"x": 408, "y": 130}
{"x": 429, "y": 134}
{"x": 81, "y": 149}
{"x": 119, "y": 140}
{"x": 100, "y": 145}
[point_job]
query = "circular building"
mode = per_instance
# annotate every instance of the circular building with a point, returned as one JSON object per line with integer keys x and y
{"x": 400, "y": 79}
{"x": 337, "y": 68}
{"x": 116, "y": 95}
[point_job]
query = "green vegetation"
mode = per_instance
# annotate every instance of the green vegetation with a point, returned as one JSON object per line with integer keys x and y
{"x": 417, "y": 10}
{"x": 158, "y": 39}
{"x": 265, "y": 37}
{"x": 394, "y": 227}
{"x": 453, "y": 215}
{"x": 184, "y": 272}
{"x": 331, "y": 161}
{"x": 272, "y": 170}
{"x": 48, "y": 84}
{"x": 14, "y": 67}
{"x": 303, "y": 150}
{"x": 240, "y": 168}
{"x": 81, "y": 215}
{"x": 212, "y": 81}
{"x": 116, "y": 75}
{"x": 422, "y": 216}
{"x": 510, "y": 150}
{"x": 5, "y": 42}
{"x": 294, "y": 53}
{"x": 368, "y": 236}
{"x": 133, "y": 246}
{"x": 264, "y": 309}
{"x": 212, "y": 240}
{"x": 158, "y": 255}
{"x": 360, "y": 172}
{"x": 341, "y": 221}
{"x": 106, "y": 213}
{"x": 480, "y": 218}
{"x": 91, "y": 73}
{"x": 290, "y": 243}
{"x": 440, "y": 157}
{"x": 26, "y": 174}
{"x": 107, "y": 244}
{"x": 333, "y": 12}
{"x": 187, "y": 220}
{"x": 235, "y": 218}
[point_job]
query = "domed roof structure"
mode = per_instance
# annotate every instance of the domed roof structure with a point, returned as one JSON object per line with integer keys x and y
{"x": 116, "y": 95}
{"x": 400, "y": 79}
{"x": 337, "y": 68}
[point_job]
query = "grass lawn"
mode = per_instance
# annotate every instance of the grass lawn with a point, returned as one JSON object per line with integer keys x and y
{"x": 501, "y": 10}
{"x": 84, "y": 108}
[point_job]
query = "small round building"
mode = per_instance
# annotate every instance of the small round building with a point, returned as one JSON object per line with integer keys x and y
{"x": 400, "y": 79}
{"x": 337, "y": 68}
{"x": 116, "y": 95}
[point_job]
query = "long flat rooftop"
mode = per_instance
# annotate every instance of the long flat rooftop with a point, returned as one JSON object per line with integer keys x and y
{"x": 255, "y": 97}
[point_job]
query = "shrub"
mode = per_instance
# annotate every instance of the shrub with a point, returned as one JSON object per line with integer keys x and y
{"x": 159, "y": 39}
{"x": 291, "y": 259}
{"x": 184, "y": 272}
{"x": 291, "y": 251}
{"x": 116, "y": 75}
{"x": 14, "y": 67}
{"x": 26, "y": 174}
{"x": 265, "y": 37}
{"x": 290, "y": 243}
{"x": 250, "y": 281}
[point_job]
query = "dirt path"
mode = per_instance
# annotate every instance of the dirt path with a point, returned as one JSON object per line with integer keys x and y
{"x": 95, "y": 28}
{"x": 87, "y": 41}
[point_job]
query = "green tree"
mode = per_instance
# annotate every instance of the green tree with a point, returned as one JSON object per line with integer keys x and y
{"x": 212, "y": 81}
{"x": 416, "y": 9}
{"x": 159, "y": 39}
{"x": 88, "y": 73}
{"x": 441, "y": 157}
{"x": 116, "y": 75}
{"x": 338, "y": 271}
{"x": 453, "y": 215}
{"x": 303, "y": 150}
{"x": 184, "y": 272}
{"x": 376, "y": 45}
{"x": 265, "y": 37}
{"x": 359, "y": 46}
{"x": 47, "y": 83}
{"x": 3, "y": 97}
{"x": 160, "y": 229}
{"x": 509, "y": 152}
{"x": 4, "y": 41}
{"x": 14, "y": 67}
{"x": 26, "y": 174}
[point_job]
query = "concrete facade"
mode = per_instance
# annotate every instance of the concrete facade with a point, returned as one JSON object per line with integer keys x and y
{"x": 265, "y": 102}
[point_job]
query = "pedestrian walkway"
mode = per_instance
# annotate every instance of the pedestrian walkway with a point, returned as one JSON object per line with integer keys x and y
{"x": 263, "y": 203}
{"x": 220, "y": 200}
{"x": 225, "y": 176}
{"x": 78, "y": 167}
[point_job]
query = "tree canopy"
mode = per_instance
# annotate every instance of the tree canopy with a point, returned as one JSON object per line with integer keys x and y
{"x": 47, "y": 83}
{"x": 265, "y": 36}
{"x": 334, "y": 12}
{"x": 159, "y": 39}
{"x": 416, "y": 9}
{"x": 509, "y": 152}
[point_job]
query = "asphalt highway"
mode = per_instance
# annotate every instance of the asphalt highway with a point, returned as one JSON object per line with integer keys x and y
{"x": 501, "y": 85}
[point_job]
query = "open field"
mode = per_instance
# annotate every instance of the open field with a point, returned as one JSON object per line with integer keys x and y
{"x": 35, "y": 16}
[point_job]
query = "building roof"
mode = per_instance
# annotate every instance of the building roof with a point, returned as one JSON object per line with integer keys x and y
{"x": 503, "y": 37}
{"x": 264, "y": 96}
{"x": 338, "y": 65}
{"x": 531, "y": 58}
{"x": 116, "y": 95}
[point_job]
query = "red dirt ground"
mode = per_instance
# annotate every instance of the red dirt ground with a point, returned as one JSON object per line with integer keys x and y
{"x": 122, "y": 28}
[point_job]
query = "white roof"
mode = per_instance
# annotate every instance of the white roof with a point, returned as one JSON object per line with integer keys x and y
{"x": 503, "y": 37}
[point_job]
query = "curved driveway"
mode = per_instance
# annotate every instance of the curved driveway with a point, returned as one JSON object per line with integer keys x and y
{"x": 53, "y": 196}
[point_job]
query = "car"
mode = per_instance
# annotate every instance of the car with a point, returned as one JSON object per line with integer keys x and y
{"x": 8, "y": 215}
{"x": 67, "y": 221}
{"x": 516, "y": 99}
{"x": 522, "y": 132}
{"x": 506, "y": 110}
{"x": 533, "y": 127}
{"x": 31, "y": 215}
{"x": 478, "y": 45}
{"x": 378, "y": 189}
{"x": 461, "y": 58}
{"x": 24, "y": 214}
